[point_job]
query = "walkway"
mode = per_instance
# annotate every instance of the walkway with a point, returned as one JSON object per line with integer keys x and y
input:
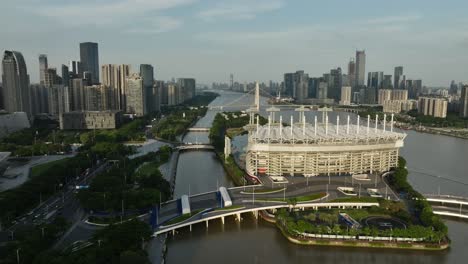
{"x": 448, "y": 205}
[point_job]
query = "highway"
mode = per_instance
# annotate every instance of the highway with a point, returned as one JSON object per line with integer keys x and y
{"x": 63, "y": 204}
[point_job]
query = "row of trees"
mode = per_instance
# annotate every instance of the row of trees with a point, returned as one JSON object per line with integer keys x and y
{"x": 452, "y": 120}
{"x": 226, "y": 120}
{"x": 31, "y": 241}
{"x": 421, "y": 208}
{"x": 123, "y": 183}
{"x": 119, "y": 244}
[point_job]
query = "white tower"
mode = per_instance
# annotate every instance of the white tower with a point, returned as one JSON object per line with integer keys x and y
{"x": 257, "y": 97}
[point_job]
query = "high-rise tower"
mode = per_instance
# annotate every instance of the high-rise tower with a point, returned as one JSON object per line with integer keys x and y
{"x": 360, "y": 74}
{"x": 15, "y": 80}
{"x": 397, "y": 77}
{"x": 89, "y": 57}
{"x": 43, "y": 65}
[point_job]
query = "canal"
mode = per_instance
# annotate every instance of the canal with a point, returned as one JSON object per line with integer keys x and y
{"x": 435, "y": 163}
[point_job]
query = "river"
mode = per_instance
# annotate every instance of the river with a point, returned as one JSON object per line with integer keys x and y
{"x": 433, "y": 161}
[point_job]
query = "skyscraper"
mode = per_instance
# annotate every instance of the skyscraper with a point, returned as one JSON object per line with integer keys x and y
{"x": 65, "y": 75}
{"x": 135, "y": 95}
{"x": 360, "y": 68}
{"x": 453, "y": 88}
{"x": 50, "y": 77}
{"x": 76, "y": 69}
{"x": 387, "y": 82}
{"x": 152, "y": 100}
{"x": 288, "y": 84}
{"x": 186, "y": 88}
{"x": 335, "y": 83}
{"x": 351, "y": 72}
{"x": 77, "y": 95}
{"x": 374, "y": 84}
{"x": 397, "y": 77}
{"x": 89, "y": 57}
{"x": 15, "y": 81}
{"x": 115, "y": 76}
{"x": 300, "y": 86}
{"x": 43, "y": 65}
{"x": 345, "y": 95}
{"x": 464, "y": 101}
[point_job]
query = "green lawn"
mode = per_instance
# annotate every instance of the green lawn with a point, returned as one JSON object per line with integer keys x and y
{"x": 310, "y": 197}
{"x": 260, "y": 191}
{"x": 233, "y": 207}
{"x": 181, "y": 218}
{"x": 149, "y": 168}
{"x": 40, "y": 169}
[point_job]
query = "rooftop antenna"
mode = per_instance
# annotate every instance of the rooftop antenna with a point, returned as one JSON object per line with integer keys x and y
{"x": 303, "y": 125}
{"x": 384, "y": 121}
{"x": 347, "y": 126}
{"x": 368, "y": 124}
{"x": 281, "y": 126}
{"x": 326, "y": 124}
{"x": 376, "y": 122}
{"x": 292, "y": 124}
{"x": 337, "y": 124}
{"x": 391, "y": 124}
{"x": 269, "y": 127}
{"x": 357, "y": 128}
{"x": 258, "y": 126}
{"x": 315, "y": 126}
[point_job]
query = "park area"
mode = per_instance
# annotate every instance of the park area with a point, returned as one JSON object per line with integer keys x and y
{"x": 389, "y": 222}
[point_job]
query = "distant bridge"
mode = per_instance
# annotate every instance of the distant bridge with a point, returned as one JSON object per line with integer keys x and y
{"x": 199, "y": 129}
{"x": 195, "y": 147}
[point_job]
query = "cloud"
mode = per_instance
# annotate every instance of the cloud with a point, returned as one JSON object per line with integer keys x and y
{"x": 157, "y": 25}
{"x": 239, "y": 10}
{"x": 393, "y": 19}
{"x": 104, "y": 13}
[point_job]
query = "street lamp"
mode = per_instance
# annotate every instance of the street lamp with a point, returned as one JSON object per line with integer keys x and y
{"x": 17, "y": 256}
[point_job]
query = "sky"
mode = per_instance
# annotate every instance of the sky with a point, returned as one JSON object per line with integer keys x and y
{"x": 253, "y": 39}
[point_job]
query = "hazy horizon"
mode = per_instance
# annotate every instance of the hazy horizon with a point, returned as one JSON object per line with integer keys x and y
{"x": 254, "y": 40}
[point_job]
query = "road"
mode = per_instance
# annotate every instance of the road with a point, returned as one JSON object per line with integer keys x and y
{"x": 63, "y": 204}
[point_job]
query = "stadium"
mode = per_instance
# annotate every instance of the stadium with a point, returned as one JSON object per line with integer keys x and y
{"x": 313, "y": 149}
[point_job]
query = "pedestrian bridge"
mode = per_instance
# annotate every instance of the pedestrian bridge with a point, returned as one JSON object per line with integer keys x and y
{"x": 208, "y": 206}
{"x": 448, "y": 205}
{"x": 195, "y": 147}
{"x": 198, "y": 129}
{"x": 249, "y": 207}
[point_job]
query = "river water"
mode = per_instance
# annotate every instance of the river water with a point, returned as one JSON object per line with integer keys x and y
{"x": 436, "y": 164}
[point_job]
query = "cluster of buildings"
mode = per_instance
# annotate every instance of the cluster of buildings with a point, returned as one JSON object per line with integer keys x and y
{"x": 87, "y": 90}
{"x": 346, "y": 88}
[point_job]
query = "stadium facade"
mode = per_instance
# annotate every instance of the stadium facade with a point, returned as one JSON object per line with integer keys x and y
{"x": 312, "y": 149}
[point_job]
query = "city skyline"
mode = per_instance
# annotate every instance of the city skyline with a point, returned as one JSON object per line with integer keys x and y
{"x": 265, "y": 39}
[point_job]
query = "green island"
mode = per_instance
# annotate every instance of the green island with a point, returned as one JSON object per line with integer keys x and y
{"x": 407, "y": 224}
